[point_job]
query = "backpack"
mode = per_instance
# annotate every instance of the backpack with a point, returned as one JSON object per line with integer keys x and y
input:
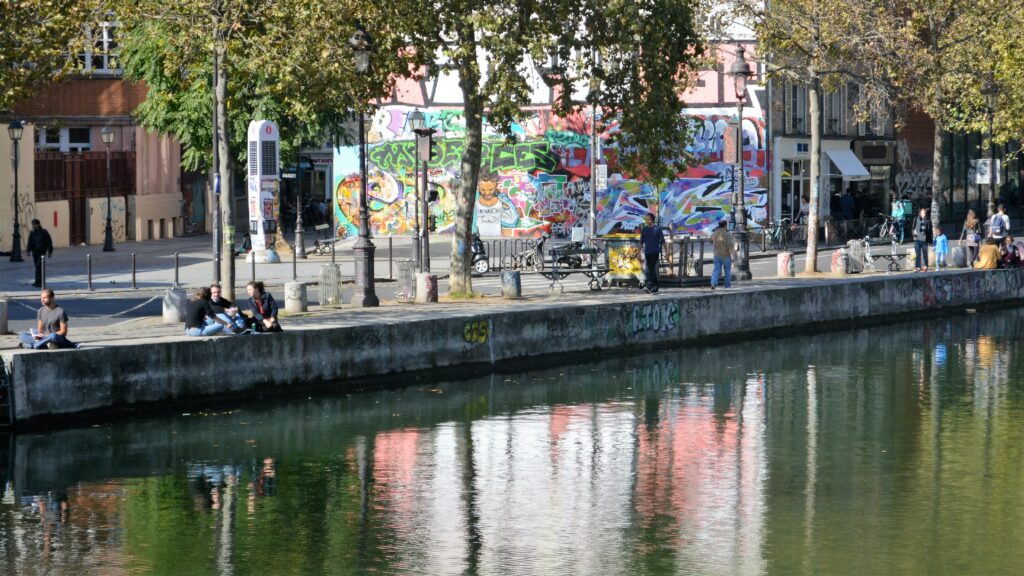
{"x": 998, "y": 225}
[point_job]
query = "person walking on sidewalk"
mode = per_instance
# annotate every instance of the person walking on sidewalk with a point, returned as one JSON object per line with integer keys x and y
{"x": 39, "y": 243}
{"x": 51, "y": 329}
{"x": 651, "y": 239}
{"x": 999, "y": 225}
{"x": 970, "y": 237}
{"x": 922, "y": 225}
{"x": 724, "y": 251}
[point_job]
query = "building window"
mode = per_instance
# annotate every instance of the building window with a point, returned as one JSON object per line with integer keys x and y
{"x": 102, "y": 56}
{"x": 796, "y": 109}
{"x": 834, "y": 113}
{"x": 64, "y": 139}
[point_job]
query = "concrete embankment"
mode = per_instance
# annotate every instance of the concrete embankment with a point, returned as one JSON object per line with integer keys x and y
{"x": 164, "y": 372}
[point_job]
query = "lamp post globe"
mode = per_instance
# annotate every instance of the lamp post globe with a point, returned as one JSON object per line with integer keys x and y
{"x": 365, "y": 296}
{"x": 107, "y": 133}
{"x": 741, "y": 73}
{"x": 14, "y": 131}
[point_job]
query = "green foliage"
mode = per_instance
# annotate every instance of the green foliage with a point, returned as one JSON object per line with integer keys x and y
{"x": 37, "y": 38}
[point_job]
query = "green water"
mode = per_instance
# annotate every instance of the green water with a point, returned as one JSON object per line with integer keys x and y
{"x": 891, "y": 450}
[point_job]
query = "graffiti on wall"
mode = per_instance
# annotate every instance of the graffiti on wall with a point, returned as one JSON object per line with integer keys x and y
{"x": 541, "y": 182}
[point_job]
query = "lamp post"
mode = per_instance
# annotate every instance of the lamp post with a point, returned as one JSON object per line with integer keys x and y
{"x": 416, "y": 121}
{"x": 740, "y": 72}
{"x": 14, "y": 130}
{"x": 990, "y": 91}
{"x": 108, "y": 231}
{"x": 424, "y": 140}
{"x": 300, "y": 245}
{"x": 362, "y": 44}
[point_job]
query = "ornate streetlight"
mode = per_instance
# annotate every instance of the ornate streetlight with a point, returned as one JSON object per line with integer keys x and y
{"x": 14, "y": 130}
{"x": 991, "y": 91}
{"x": 108, "y": 232}
{"x": 424, "y": 141}
{"x": 740, "y": 72}
{"x": 365, "y": 296}
{"x": 417, "y": 121}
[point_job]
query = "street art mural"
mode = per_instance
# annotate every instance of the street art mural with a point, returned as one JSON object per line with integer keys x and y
{"x": 541, "y": 181}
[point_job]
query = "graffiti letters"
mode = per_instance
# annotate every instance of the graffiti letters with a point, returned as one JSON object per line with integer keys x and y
{"x": 476, "y": 331}
{"x": 655, "y": 317}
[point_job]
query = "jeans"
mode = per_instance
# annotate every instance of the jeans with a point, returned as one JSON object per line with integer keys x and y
{"x": 920, "y": 253}
{"x": 722, "y": 262}
{"x": 651, "y": 271}
{"x": 60, "y": 341}
{"x": 237, "y": 321}
{"x": 209, "y": 328}
{"x": 940, "y": 260}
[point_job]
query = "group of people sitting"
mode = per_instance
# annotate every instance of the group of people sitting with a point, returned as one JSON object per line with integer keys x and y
{"x": 209, "y": 313}
{"x": 998, "y": 250}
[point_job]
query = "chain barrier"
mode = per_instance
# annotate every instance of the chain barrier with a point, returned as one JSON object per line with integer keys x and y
{"x": 114, "y": 315}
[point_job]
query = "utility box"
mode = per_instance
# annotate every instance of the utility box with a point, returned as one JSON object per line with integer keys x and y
{"x": 264, "y": 183}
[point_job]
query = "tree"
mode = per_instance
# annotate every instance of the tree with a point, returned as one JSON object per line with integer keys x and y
{"x": 642, "y": 52}
{"x": 823, "y": 45}
{"x": 38, "y": 36}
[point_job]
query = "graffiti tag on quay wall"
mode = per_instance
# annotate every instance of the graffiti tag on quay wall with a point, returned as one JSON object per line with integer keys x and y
{"x": 476, "y": 331}
{"x": 654, "y": 317}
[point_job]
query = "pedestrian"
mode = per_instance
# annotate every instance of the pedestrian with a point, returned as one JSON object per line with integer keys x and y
{"x": 999, "y": 225}
{"x": 941, "y": 249}
{"x": 51, "y": 329}
{"x": 39, "y": 244}
{"x": 724, "y": 250}
{"x": 970, "y": 236}
{"x": 263, "y": 308}
{"x": 847, "y": 205}
{"x": 921, "y": 227}
{"x": 651, "y": 239}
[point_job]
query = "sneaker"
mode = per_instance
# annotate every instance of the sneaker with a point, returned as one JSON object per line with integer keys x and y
{"x": 712, "y": 286}
{"x": 77, "y": 346}
{"x": 52, "y": 346}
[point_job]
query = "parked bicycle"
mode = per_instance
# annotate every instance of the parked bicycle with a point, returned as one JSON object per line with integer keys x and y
{"x": 776, "y": 236}
{"x": 890, "y": 229}
{"x": 529, "y": 259}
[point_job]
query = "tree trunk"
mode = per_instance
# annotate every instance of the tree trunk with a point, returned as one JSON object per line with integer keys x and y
{"x": 460, "y": 280}
{"x": 937, "y": 192}
{"x": 814, "y": 95}
{"x": 227, "y": 200}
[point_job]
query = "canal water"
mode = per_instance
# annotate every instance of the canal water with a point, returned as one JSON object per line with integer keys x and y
{"x": 888, "y": 450}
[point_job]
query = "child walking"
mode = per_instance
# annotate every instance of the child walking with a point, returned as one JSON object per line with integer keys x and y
{"x": 941, "y": 248}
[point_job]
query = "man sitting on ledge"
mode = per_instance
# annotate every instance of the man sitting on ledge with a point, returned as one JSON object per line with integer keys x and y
{"x": 51, "y": 329}
{"x": 226, "y": 312}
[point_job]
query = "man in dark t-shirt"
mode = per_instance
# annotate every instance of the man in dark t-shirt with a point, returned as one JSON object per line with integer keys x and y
{"x": 225, "y": 311}
{"x": 651, "y": 239}
{"x": 51, "y": 329}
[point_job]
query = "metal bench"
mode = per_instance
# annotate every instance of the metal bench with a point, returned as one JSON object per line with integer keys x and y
{"x": 559, "y": 272}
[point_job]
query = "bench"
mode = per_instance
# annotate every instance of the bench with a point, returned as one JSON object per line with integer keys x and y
{"x": 557, "y": 273}
{"x": 894, "y": 260}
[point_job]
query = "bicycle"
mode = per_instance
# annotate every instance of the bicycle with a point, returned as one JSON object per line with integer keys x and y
{"x": 889, "y": 227}
{"x": 324, "y": 246}
{"x": 775, "y": 236}
{"x": 531, "y": 258}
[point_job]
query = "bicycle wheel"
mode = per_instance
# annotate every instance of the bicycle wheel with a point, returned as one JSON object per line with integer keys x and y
{"x": 783, "y": 238}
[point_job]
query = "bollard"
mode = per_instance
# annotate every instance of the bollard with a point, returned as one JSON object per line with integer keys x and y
{"x": 88, "y": 269}
{"x": 958, "y": 256}
{"x": 176, "y": 282}
{"x": 406, "y": 282}
{"x": 252, "y": 268}
{"x": 174, "y": 305}
{"x": 426, "y": 288}
{"x": 42, "y": 269}
{"x": 511, "y": 284}
{"x": 134, "y": 285}
{"x": 784, "y": 265}
{"x": 330, "y": 286}
{"x": 295, "y": 297}
{"x": 3, "y": 314}
{"x": 391, "y": 260}
{"x": 841, "y": 261}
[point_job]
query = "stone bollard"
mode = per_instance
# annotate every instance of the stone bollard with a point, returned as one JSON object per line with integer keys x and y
{"x": 511, "y": 284}
{"x": 295, "y": 297}
{"x": 841, "y": 261}
{"x": 426, "y": 288}
{"x": 909, "y": 260}
{"x": 784, "y": 265}
{"x": 174, "y": 305}
{"x": 3, "y": 314}
{"x": 957, "y": 257}
{"x": 406, "y": 293}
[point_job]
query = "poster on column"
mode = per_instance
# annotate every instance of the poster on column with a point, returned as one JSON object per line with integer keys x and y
{"x": 255, "y": 221}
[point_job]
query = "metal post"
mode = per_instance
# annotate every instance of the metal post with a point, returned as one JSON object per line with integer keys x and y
{"x": 108, "y": 230}
{"x": 300, "y": 244}
{"x": 991, "y": 165}
{"x": 176, "y": 283}
{"x": 252, "y": 268}
{"x": 739, "y": 209}
{"x": 295, "y": 260}
{"x": 416, "y": 209}
{"x": 425, "y": 250}
{"x": 16, "y": 246}
{"x": 42, "y": 268}
{"x": 88, "y": 270}
{"x": 134, "y": 284}
{"x": 391, "y": 260}
{"x": 364, "y": 296}
{"x": 216, "y": 178}
{"x": 593, "y": 174}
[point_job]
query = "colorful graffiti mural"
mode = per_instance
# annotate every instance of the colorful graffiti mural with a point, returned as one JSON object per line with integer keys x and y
{"x": 541, "y": 182}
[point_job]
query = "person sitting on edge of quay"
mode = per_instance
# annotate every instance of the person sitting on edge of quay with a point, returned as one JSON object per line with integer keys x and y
{"x": 724, "y": 250}
{"x": 1009, "y": 254}
{"x": 263, "y": 308}
{"x": 988, "y": 258}
{"x": 226, "y": 312}
{"x": 51, "y": 329}
{"x": 199, "y": 317}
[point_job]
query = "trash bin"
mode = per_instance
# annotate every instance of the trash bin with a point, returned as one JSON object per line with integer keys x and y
{"x": 511, "y": 284}
{"x": 406, "y": 282}
{"x": 855, "y": 256}
{"x": 330, "y": 286}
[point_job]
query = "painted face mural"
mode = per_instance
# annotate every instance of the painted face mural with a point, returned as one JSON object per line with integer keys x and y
{"x": 541, "y": 182}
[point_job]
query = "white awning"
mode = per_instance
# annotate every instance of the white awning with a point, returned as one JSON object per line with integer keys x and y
{"x": 848, "y": 164}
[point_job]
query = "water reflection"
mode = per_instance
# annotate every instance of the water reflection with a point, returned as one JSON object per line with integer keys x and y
{"x": 879, "y": 450}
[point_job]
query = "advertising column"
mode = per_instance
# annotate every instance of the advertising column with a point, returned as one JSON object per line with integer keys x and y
{"x": 264, "y": 181}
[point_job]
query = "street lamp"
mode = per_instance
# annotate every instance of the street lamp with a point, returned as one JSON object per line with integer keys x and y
{"x": 424, "y": 140}
{"x": 990, "y": 90}
{"x": 14, "y": 130}
{"x": 107, "y": 133}
{"x": 416, "y": 121}
{"x": 740, "y": 72}
{"x": 362, "y": 44}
